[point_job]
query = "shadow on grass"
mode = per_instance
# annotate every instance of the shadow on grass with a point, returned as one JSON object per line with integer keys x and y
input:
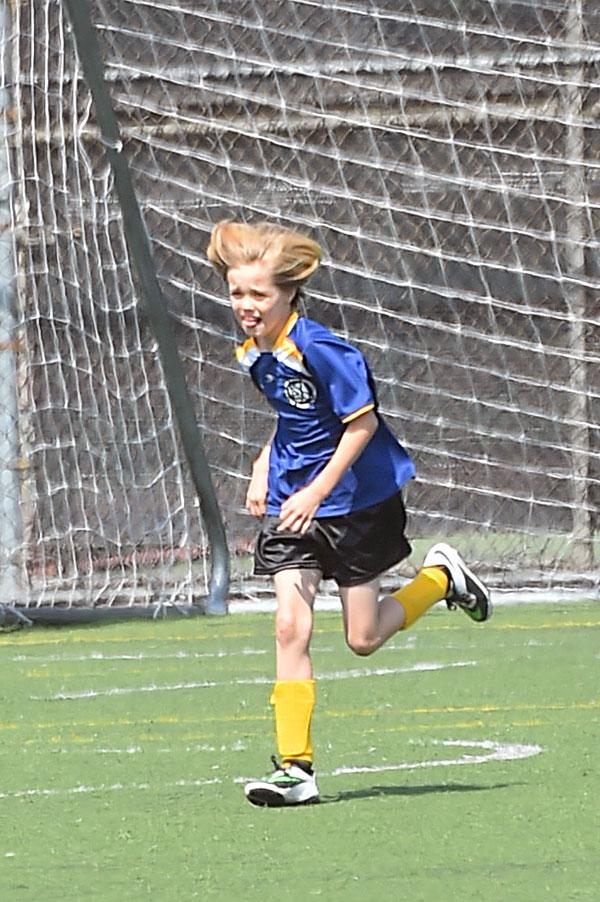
{"x": 372, "y": 792}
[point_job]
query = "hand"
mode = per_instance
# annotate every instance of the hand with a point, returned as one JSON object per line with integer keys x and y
{"x": 298, "y": 510}
{"x": 256, "y": 496}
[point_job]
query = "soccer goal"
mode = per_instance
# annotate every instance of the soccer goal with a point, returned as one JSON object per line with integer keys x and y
{"x": 444, "y": 155}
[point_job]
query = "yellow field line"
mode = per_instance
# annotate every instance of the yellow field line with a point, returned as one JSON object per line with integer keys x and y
{"x": 143, "y": 738}
{"x": 366, "y": 712}
{"x": 27, "y": 639}
{"x": 128, "y": 722}
{"x": 556, "y": 625}
{"x": 479, "y": 709}
{"x": 20, "y": 639}
{"x": 561, "y": 624}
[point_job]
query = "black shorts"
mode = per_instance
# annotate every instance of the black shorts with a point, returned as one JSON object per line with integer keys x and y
{"x": 351, "y": 549}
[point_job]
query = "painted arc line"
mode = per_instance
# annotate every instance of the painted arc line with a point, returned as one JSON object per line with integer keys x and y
{"x": 493, "y": 751}
{"x": 253, "y": 681}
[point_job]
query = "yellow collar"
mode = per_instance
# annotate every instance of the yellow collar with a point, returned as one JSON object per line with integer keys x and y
{"x": 250, "y": 343}
{"x": 283, "y": 349}
{"x": 291, "y": 322}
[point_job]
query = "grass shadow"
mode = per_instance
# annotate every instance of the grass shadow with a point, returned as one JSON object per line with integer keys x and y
{"x": 372, "y": 792}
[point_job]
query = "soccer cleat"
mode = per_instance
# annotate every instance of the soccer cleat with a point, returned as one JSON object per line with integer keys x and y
{"x": 289, "y": 785}
{"x": 466, "y": 591}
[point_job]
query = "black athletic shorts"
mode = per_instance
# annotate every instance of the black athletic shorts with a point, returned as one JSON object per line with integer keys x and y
{"x": 351, "y": 549}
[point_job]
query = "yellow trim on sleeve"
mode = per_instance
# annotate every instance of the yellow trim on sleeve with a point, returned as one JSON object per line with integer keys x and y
{"x": 358, "y": 413}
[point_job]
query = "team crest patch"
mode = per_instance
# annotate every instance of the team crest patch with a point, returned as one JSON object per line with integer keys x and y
{"x": 300, "y": 392}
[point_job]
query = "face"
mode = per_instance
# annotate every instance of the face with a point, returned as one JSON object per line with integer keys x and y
{"x": 260, "y": 307}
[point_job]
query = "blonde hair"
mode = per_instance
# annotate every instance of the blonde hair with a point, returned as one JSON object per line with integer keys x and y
{"x": 292, "y": 257}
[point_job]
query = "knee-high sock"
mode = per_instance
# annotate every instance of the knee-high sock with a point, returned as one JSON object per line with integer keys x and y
{"x": 294, "y": 702}
{"x": 429, "y": 585}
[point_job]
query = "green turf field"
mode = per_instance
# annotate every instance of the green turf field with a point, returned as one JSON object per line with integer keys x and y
{"x": 458, "y": 763}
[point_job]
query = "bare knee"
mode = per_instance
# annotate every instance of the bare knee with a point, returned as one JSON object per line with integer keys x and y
{"x": 363, "y": 646}
{"x": 292, "y": 630}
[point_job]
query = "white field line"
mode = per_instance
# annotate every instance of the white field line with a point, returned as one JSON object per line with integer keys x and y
{"x": 237, "y": 746}
{"x": 132, "y": 750}
{"x": 102, "y": 787}
{"x": 492, "y": 751}
{"x": 100, "y": 656}
{"x": 495, "y": 751}
{"x": 249, "y": 681}
{"x": 500, "y": 597}
{"x": 195, "y": 748}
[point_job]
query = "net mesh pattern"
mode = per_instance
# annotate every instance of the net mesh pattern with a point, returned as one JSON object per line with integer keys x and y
{"x": 445, "y": 155}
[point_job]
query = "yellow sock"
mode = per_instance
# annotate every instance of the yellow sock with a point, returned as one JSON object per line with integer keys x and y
{"x": 429, "y": 585}
{"x": 294, "y": 702}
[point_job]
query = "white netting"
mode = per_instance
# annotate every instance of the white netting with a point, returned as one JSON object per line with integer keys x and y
{"x": 445, "y": 154}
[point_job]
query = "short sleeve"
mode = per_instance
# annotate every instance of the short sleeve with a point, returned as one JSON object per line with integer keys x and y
{"x": 342, "y": 373}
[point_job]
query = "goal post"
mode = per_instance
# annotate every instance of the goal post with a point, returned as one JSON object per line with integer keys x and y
{"x": 216, "y": 599}
{"x": 158, "y": 314}
{"x": 444, "y": 155}
{"x": 10, "y": 511}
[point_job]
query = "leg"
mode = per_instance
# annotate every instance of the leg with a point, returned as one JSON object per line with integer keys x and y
{"x": 295, "y": 590}
{"x": 368, "y": 622}
{"x": 294, "y": 692}
{"x": 293, "y": 698}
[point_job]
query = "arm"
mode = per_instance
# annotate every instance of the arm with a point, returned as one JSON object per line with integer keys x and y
{"x": 256, "y": 496}
{"x": 299, "y": 509}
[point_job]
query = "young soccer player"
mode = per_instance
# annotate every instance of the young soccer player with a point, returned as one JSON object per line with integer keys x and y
{"x": 327, "y": 487}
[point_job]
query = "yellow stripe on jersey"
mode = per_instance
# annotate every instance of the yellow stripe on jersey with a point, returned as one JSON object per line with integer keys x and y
{"x": 358, "y": 413}
{"x": 287, "y": 352}
{"x": 247, "y": 353}
{"x": 283, "y": 335}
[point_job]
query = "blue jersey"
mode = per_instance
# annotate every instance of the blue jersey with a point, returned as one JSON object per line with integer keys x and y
{"x": 317, "y": 384}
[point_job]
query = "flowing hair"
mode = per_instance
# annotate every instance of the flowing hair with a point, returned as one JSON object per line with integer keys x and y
{"x": 292, "y": 257}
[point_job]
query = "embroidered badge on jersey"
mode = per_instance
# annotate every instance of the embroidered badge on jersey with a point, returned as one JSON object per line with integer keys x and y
{"x": 300, "y": 393}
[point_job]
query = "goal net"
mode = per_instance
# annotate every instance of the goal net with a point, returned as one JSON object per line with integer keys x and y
{"x": 445, "y": 155}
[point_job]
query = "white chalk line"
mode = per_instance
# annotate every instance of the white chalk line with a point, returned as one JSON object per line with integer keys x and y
{"x": 492, "y": 751}
{"x": 195, "y": 748}
{"x": 408, "y": 645}
{"x": 104, "y": 787}
{"x": 141, "y": 656}
{"x": 354, "y": 673}
{"x": 496, "y": 751}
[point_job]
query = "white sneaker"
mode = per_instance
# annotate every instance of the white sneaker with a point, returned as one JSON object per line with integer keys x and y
{"x": 466, "y": 591}
{"x": 288, "y": 785}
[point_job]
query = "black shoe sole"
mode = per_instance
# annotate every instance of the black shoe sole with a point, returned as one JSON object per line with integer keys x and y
{"x": 265, "y": 798}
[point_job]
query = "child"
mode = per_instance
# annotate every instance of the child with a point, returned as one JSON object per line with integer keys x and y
{"x": 327, "y": 487}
